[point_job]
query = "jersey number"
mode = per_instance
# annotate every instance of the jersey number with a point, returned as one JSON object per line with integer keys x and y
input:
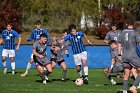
{"x": 126, "y": 37}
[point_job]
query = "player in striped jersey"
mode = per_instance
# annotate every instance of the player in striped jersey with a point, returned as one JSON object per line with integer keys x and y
{"x": 8, "y": 36}
{"x": 35, "y": 36}
{"x": 79, "y": 50}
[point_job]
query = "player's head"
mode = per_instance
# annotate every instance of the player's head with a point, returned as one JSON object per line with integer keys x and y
{"x": 65, "y": 32}
{"x": 38, "y": 24}
{"x": 113, "y": 44}
{"x": 43, "y": 38}
{"x": 113, "y": 27}
{"x": 130, "y": 25}
{"x": 9, "y": 26}
{"x": 72, "y": 29}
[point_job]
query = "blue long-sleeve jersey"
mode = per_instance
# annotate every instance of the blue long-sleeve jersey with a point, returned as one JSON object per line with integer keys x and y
{"x": 36, "y": 34}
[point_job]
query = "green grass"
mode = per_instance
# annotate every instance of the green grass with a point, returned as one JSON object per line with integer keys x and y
{"x": 32, "y": 83}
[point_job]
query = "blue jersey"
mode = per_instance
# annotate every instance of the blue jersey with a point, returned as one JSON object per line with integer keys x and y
{"x": 36, "y": 34}
{"x": 76, "y": 42}
{"x": 9, "y": 38}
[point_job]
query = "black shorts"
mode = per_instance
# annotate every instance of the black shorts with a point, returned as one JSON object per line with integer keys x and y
{"x": 59, "y": 62}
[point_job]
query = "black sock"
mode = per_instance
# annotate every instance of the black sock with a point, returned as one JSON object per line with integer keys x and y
{"x": 137, "y": 81}
{"x": 108, "y": 76}
{"x": 125, "y": 84}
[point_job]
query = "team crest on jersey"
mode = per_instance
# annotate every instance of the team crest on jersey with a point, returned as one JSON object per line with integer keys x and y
{"x": 10, "y": 34}
{"x": 78, "y": 36}
{"x": 41, "y": 49}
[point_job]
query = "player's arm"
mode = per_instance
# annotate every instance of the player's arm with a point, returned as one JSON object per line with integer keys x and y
{"x": 31, "y": 37}
{"x": 36, "y": 54}
{"x": 106, "y": 40}
{"x": 1, "y": 40}
{"x": 48, "y": 37}
{"x": 19, "y": 42}
{"x": 119, "y": 51}
{"x": 112, "y": 63}
{"x": 87, "y": 39}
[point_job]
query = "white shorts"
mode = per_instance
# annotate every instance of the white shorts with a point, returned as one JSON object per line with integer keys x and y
{"x": 32, "y": 55}
{"x": 6, "y": 52}
{"x": 78, "y": 58}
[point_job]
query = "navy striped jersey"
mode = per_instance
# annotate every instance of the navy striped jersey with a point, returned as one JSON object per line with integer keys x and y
{"x": 36, "y": 34}
{"x": 76, "y": 42}
{"x": 9, "y": 38}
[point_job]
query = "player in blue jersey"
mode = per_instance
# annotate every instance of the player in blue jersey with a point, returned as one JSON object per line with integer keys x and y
{"x": 79, "y": 50}
{"x": 35, "y": 36}
{"x": 8, "y": 38}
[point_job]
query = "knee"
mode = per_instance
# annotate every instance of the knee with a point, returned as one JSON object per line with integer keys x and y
{"x": 125, "y": 77}
{"x": 50, "y": 70}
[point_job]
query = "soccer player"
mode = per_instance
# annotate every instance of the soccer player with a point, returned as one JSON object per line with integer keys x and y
{"x": 35, "y": 36}
{"x": 79, "y": 50}
{"x": 57, "y": 52}
{"x": 117, "y": 64}
{"x": 40, "y": 57}
{"x": 8, "y": 37}
{"x": 112, "y": 35}
{"x": 129, "y": 39}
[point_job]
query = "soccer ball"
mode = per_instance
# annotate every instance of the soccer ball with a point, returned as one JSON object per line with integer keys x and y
{"x": 79, "y": 81}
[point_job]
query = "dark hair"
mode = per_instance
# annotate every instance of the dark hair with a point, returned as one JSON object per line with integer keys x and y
{"x": 72, "y": 26}
{"x": 9, "y": 23}
{"x": 112, "y": 42}
{"x": 43, "y": 35}
{"x": 38, "y": 22}
{"x": 65, "y": 31}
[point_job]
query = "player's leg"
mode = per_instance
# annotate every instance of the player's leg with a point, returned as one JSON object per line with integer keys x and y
{"x": 125, "y": 79}
{"x": 63, "y": 65}
{"x": 84, "y": 62}
{"x": 136, "y": 82}
{"x": 134, "y": 72}
{"x": 53, "y": 62}
{"x": 28, "y": 66}
{"x": 12, "y": 58}
{"x": 78, "y": 64}
{"x": 41, "y": 72}
{"x": 4, "y": 55}
{"x": 48, "y": 66}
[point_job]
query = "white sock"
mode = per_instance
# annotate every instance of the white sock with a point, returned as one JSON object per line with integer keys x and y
{"x": 4, "y": 64}
{"x": 86, "y": 70}
{"x": 28, "y": 67}
{"x": 13, "y": 65}
{"x": 124, "y": 91}
{"x": 80, "y": 72}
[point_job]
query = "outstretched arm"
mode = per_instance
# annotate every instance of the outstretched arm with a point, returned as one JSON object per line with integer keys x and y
{"x": 87, "y": 39}
{"x": 19, "y": 42}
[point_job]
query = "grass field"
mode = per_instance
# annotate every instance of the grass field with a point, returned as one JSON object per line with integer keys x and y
{"x": 32, "y": 83}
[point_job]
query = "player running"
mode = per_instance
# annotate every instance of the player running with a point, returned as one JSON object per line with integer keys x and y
{"x": 57, "y": 52}
{"x": 129, "y": 39}
{"x": 79, "y": 50}
{"x": 40, "y": 57}
{"x": 35, "y": 36}
{"x": 8, "y": 36}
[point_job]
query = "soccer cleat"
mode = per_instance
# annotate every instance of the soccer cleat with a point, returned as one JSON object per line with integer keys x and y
{"x": 5, "y": 70}
{"x": 113, "y": 82}
{"x": 62, "y": 79}
{"x": 138, "y": 87}
{"x": 46, "y": 77}
{"x": 23, "y": 75}
{"x": 13, "y": 72}
{"x": 44, "y": 82}
{"x": 86, "y": 80}
{"x": 133, "y": 89}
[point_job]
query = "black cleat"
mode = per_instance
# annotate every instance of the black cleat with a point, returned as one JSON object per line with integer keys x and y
{"x": 85, "y": 81}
